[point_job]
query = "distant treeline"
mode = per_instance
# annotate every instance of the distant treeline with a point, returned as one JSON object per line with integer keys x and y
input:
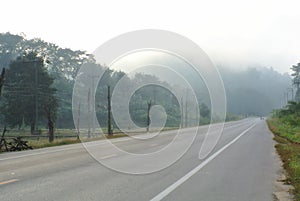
{"x": 62, "y": 65}
{"x": 254, "y": 91}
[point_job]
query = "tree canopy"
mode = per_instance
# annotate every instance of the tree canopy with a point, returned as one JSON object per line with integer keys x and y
{"x": 28, "y": 91}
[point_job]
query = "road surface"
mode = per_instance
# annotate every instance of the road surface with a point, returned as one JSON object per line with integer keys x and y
{"x": 240, "y": 168}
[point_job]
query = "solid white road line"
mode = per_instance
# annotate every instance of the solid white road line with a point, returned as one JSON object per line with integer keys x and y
{"x": 8, "y": 181}
{"x": 37, "y": 153}
{"x": 183, "y": 179}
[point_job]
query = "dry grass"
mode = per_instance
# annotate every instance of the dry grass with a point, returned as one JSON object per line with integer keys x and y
{"x": 57, "y": 142}
{"x": 65, "y": 141}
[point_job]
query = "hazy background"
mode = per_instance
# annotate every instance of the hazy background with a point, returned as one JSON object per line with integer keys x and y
{"x": 234, "y": 33}
{"x": 253, "y": 43}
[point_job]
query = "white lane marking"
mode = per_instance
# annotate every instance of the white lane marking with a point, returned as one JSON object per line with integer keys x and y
{"x": 183, "y": 179}
{"x": 72, "y": 148}
{"x": 38, "y": 153}
{"x": 238, "y": 124}
{"x": 8, "y": 181}
{"x": 108, "y": 156}
{"x": 49, "y": 151}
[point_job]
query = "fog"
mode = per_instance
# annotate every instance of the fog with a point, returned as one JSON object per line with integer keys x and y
{"x": 250, "y": 90}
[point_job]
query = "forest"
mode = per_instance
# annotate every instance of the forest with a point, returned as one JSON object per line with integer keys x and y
{"x": 39, "y": 81}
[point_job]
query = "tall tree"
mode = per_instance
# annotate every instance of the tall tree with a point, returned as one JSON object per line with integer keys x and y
{"x": 28, "y": 92}
{"x": 296, "y": 80}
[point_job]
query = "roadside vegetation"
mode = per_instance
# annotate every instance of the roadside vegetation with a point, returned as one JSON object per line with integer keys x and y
{"x": 285, "y": 124}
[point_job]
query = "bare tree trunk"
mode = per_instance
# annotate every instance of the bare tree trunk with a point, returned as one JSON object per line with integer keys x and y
{"x": 109, "y": 130}
{"x": 2, "y": 79}
{"x": 148, "y": 115}
{"x": 32, "y": 128}
{"x": 50, "y": 127}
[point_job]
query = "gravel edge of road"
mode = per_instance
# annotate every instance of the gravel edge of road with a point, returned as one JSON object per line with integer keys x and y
{"x": 282, "y": 190}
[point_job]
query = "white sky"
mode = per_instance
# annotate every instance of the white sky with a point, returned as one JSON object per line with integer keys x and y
{"x": 235, "y": 33}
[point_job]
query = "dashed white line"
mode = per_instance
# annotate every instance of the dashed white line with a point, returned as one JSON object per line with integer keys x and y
{"x": 108, "y": 156}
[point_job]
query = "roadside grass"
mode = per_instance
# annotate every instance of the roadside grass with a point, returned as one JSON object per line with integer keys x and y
{"x": 288, "y": 148}
{"x": 285, "y": 130}
{"x": 42, "y": 143}
{"x": 61, "y": 139}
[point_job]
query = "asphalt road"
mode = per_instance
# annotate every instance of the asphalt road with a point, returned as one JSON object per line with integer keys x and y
{"x": 241, "y": 167}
